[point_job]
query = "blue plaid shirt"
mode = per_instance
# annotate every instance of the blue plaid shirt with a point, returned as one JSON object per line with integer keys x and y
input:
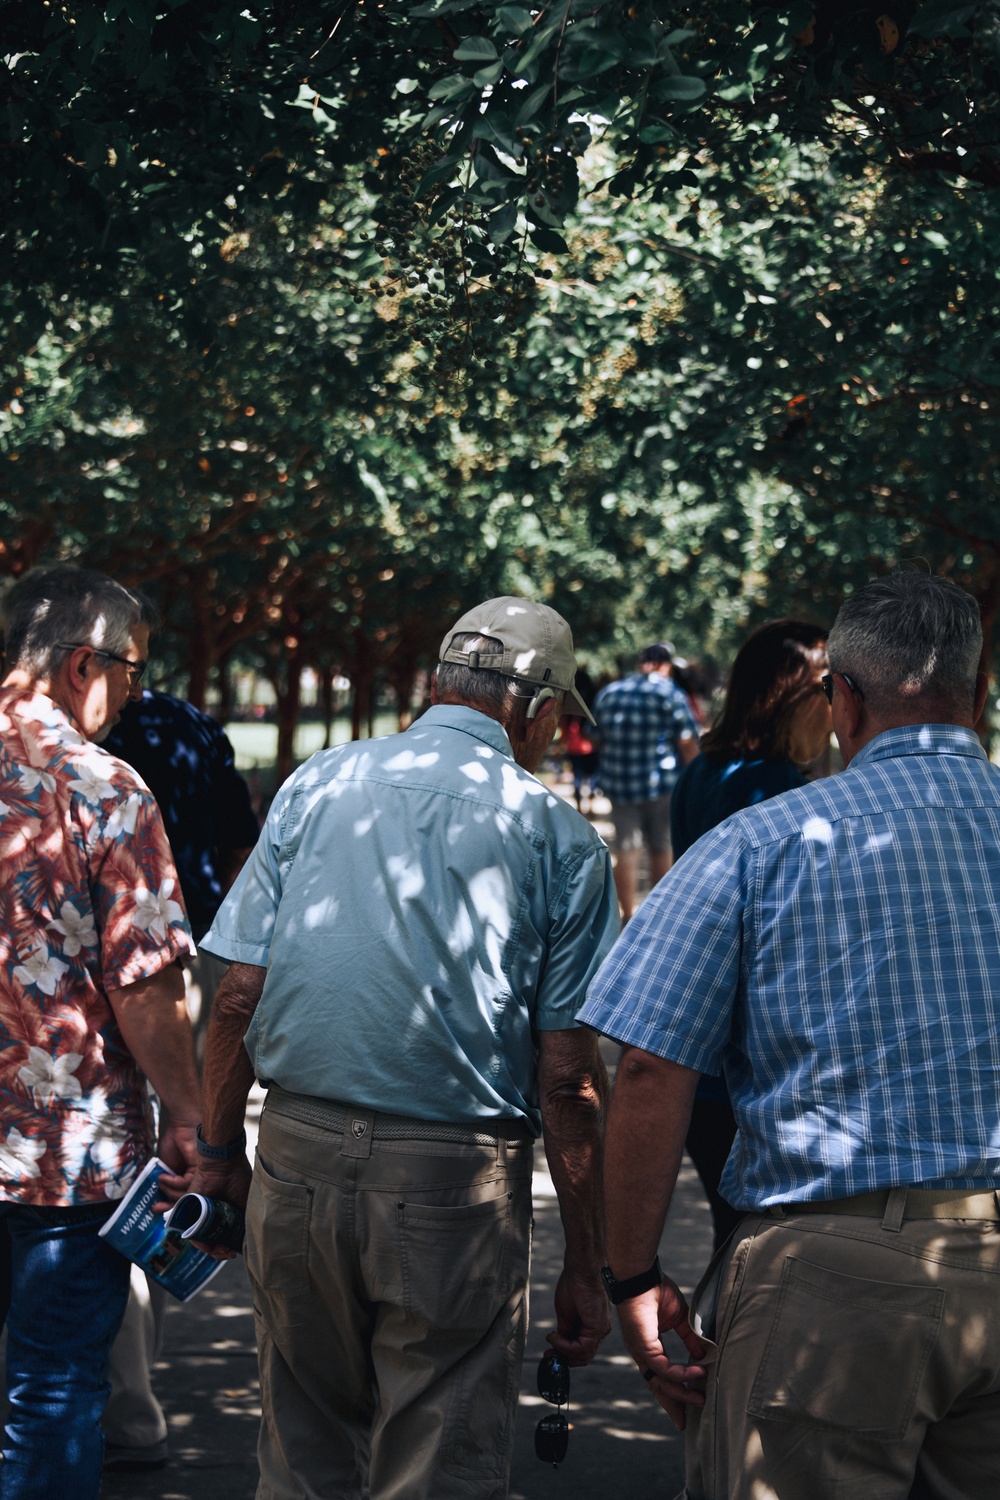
{"x": 640, "y": 719}
{"x": 836, "y": 952}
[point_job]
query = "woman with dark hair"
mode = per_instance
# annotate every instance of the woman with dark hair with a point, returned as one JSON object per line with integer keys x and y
{"x": 775, "y": 720}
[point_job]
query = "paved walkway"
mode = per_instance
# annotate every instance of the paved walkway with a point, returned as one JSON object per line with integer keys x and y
{"x": 620, "y": 1443}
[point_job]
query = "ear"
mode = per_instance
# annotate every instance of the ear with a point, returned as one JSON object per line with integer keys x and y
{"x": 542, "y": 704}
{"x": 851, "y": 706}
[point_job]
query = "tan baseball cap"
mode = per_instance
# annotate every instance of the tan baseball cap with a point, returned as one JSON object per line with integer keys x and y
{"x": 536, "y": 642}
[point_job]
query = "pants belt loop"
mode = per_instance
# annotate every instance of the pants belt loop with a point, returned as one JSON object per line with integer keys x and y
{"x": 359, "y": 1127}
{"x": 996, "y": 1200}
{"x": 895, "y": 1208}
{"x": 777, "y": 1211}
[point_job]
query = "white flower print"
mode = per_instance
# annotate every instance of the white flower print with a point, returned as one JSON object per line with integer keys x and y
{"x": 124, "y": 817}
{"x": 49, "y": 1076}
{"x": 77, "y": 928}
{"x": 19, "y": 1157}
{"x": 118, "y": 1187}
{"x": 91, "y": 784}
{"x": 42, "y": 969}
{"x": 32, "y": 778}
{"x": 155, "y": 913}
{"x": 4, "y": 809}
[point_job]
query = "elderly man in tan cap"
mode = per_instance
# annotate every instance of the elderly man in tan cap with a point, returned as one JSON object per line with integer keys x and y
{"x": 409, "y": 943}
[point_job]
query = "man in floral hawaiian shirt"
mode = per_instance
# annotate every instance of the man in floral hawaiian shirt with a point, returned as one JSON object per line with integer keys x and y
{"x": 91, "y": 1005}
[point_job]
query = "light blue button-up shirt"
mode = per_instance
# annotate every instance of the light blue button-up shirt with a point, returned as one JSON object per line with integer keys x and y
{"x": 836, "y": 952}
{"x": 423, "y": 906}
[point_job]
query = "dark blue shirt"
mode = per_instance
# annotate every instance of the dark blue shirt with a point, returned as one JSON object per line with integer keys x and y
{"x": 712, "y": 788}
{"x": 186, "y": 760}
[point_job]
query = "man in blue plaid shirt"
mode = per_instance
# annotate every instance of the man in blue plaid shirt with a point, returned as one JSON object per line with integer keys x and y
{"x": 836, "y": 953}
{"x": 647, "y": 734}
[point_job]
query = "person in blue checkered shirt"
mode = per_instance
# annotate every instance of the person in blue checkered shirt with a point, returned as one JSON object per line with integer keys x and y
{"x": 835, "y": 952}
{"x": 647, "y": 735}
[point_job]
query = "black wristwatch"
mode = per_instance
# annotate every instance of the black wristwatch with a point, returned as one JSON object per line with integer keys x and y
{"x": 632, "y": 1286}
{"x": 220, "y": 1153}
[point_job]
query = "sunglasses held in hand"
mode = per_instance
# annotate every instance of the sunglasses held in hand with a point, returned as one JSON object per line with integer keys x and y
{"x": 552, "y": 1433}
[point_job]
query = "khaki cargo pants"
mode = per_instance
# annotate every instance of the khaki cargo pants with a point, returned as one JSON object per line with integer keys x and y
{"x": 389, "y": 1274}
{"x": 851, "y": 1354}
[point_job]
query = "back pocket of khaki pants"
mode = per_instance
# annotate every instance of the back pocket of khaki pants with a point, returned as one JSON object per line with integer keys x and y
{"x": 278, "y": 1215}
{"x": 455, "y": 1260}
{"x": 845, "y": 1353}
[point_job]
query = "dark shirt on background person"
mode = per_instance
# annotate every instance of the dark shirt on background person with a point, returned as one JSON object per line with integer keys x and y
{"x": 712, "y": 788}
{"x": 187, "y": 761}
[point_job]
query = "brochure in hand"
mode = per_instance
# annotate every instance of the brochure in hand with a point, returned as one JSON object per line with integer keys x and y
{"x": 163, "y": 1253}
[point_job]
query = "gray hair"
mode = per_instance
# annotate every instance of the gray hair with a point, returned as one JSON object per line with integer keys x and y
{"x": 909, "y": 636}
{"x": 480, "y": 687}
{"x": 50, "y": 610}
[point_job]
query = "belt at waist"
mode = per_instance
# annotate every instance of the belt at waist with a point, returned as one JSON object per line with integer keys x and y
{"x": 339, "y": 1118}
{"x": 904, "y": 1203}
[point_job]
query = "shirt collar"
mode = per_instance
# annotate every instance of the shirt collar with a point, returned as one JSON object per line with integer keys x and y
{"x": 469, "y": 721}
{"x": 921, "y": 739}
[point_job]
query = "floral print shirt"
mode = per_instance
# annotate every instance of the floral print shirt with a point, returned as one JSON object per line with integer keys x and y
{"x": 89, "y": 902}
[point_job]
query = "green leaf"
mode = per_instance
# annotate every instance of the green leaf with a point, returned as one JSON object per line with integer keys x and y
{"x": 475, "y": 49}
{"x": 532, "y": 102}
{"x": 549, "y": 241}
{"x": 685, "y": 89}
{"x": 591, "y": 61}
{"x": 941, "y": 18}
{"x": 487, "y": 77}
{"x": 655, "y": 135}
{"x": 503, "y": 223}
{"x": 455, "y": 86}
{"x": 515, "y": 18}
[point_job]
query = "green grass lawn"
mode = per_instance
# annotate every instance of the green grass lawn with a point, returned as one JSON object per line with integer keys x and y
{"x": 256, "y": 745}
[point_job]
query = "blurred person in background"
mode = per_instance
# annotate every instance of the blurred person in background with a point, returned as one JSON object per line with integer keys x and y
{"x": 774, "y": 721}
{"x": 646, "y": 733}
{"x": 187, "y": 761}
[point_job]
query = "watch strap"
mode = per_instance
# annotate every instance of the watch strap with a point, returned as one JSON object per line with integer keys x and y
{"x": 632, "y": 1286}
{"x": 220, "y": 1153}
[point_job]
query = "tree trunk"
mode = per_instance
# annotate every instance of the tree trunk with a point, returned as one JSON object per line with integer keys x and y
{"x": 326, "y": 699}
{"x": 200, "y": 643}
{"x": 225, "y": 680}
{"x": 361, "y": 678}
{"x": 288, "y": 693}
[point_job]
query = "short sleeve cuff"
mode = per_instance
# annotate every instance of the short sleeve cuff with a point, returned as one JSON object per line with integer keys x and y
{"x": 232, "y": 952}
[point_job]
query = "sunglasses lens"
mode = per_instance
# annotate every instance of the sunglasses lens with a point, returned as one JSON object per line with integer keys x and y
{"x": 552, "y": 1439}
{"x": 553, "y": 1379}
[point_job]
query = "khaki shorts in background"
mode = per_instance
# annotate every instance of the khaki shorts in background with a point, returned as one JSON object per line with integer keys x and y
{"x": 638, "y": 823}
{"x": 849, "y": 1358}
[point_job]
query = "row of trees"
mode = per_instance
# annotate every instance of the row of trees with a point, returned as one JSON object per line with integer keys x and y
{"x": 323, "y": 322}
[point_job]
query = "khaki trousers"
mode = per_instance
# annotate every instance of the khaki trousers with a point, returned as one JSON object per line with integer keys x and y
{"x": 389, "y": 1277}
{"x": 849, "y": 1356}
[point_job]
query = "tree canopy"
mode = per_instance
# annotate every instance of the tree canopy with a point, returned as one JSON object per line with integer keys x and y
{"x": 323, "y": 320}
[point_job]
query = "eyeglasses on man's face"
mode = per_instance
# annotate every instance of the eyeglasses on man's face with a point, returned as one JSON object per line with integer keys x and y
{"x": 552, "y": 1433}
{"x": 135, "y": 668}
{"x": 826, "y": 683}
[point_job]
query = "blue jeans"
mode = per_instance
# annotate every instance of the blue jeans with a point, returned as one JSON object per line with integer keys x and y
{"x": 63, "y": 1294}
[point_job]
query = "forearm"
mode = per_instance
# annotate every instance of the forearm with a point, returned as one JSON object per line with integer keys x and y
{"x": 228, "y": 1069}
{"x": 573, "y": 1109}
{"x": 647, "y": 1125}
{"x": 153, "y": 1019}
